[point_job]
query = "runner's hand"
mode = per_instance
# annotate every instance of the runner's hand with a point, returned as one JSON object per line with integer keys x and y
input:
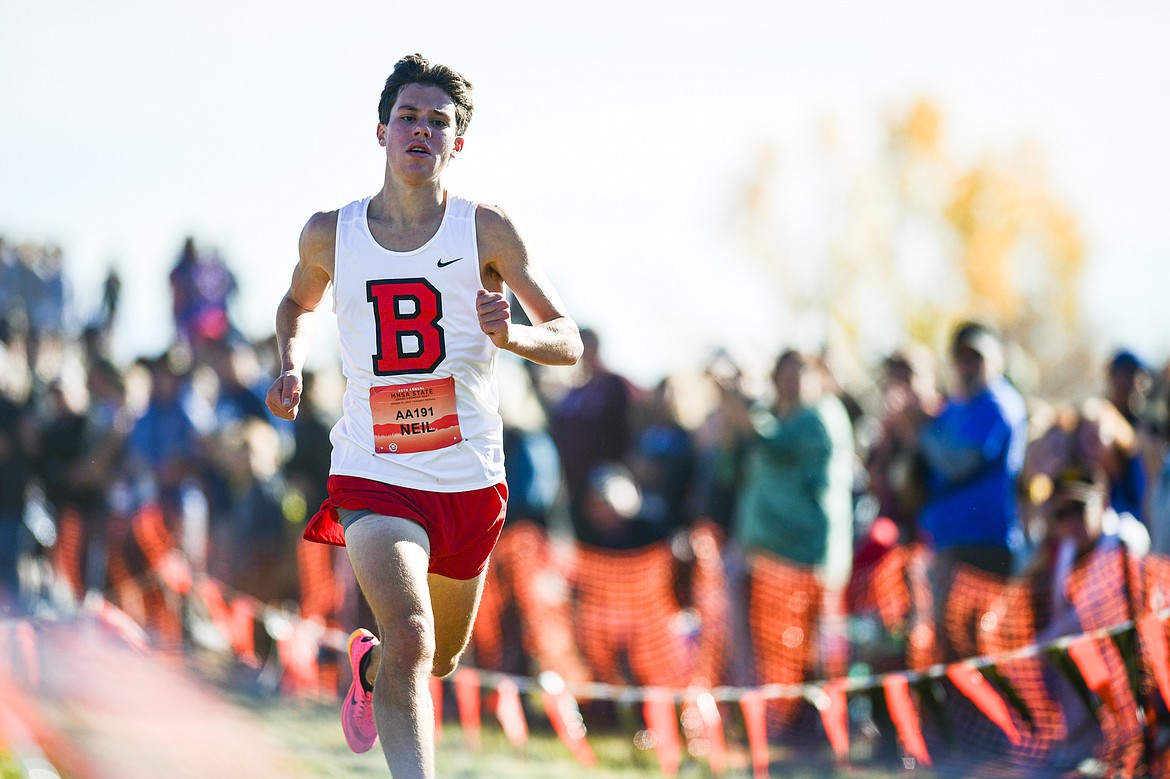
{"x": 284, "y": 396}
{"x": 495, "y": 317}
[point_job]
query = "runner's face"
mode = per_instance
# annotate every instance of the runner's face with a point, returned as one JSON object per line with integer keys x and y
{"x": 420, "y": 137}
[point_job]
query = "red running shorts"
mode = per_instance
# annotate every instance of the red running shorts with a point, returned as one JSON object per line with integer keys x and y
{"x": 463, "y": 527}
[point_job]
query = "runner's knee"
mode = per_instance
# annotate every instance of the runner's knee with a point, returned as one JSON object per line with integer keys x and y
{"x": 408, "y": 643}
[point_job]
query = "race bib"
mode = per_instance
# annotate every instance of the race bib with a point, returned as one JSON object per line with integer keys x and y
{"x": 418, "y": 417}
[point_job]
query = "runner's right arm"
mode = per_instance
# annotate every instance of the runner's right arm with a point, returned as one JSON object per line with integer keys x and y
{"x": 296, "y": 316}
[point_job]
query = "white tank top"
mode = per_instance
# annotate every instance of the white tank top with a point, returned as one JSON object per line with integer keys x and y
{"x": 421, "y": 403}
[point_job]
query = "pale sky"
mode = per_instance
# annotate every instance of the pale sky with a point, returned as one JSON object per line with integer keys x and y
{"x": 614, "y": 134}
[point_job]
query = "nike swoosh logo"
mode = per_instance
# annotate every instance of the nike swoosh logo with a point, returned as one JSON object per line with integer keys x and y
{"x": 444, "y": 264}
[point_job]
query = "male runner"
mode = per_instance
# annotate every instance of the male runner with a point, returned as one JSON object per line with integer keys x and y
{"x": 416, "y": 486}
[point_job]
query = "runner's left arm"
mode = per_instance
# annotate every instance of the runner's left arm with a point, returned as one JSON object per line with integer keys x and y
{"x": 553, "y": 337}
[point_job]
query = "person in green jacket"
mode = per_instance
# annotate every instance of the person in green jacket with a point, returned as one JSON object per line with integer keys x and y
{"x": 794, "y": 519}
{"x": 796, "y": 494}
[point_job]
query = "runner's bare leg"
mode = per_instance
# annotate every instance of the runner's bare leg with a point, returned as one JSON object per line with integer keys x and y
{"x": 454, "y": 603}
{"x": 390, "y": 558}
{"x": 422, "y": 633}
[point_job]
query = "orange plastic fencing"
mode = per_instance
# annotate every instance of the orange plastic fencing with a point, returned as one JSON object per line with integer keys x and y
{"x": 320, "y": 592}
{"x": 1106, "y": 592}
{"x": 784, "y": 610}
{"x": 625, "y": 616}
{"x": 526, "y": 601}
{"x": 708, "y": 592}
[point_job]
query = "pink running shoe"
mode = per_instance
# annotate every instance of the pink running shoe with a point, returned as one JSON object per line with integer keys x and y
{"x": 357, "y": 712}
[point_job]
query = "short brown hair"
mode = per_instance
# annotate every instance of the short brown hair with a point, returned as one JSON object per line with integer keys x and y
{"x": 415, "y": 69}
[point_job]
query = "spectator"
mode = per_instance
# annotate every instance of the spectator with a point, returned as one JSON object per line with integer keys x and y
{"x": 42, "y": 304}
{"x": 794, "y": 489}
{"x": 1127, "y": 387}
{"x": 897, "y": 478}
{"x": 1098, "y": 434}
{"x": 165, "y": 447}
{"x": 76, "y": 500}
{"x": 591, "y": 426}
{"x": 663, "y": 461}
{"x": 720, "y": 449}
{"x": 624, "y": 578}
{"x": 22, "y": 288}
{"x": 974, "y": 450}
{"x": 107, "y": 314}
{"x": 790, "y": 482}
{"x": 9, "y": 280}
{"x": 98, "y": 330}
{"x": 62, "y": 422}
{"x": 238, "y": 397}
{"x": 261, "y": 539}
{"x": 1084, "y": 577}
{"x": 48, "y": 306}
{"x": 202, "y": 287}
{"x": 108, "y": 423}
{"x": 17, "y": 439}
{"x": 626, "y": 601}
{"x": 1160, "y": 489}
{"x": 838, "y": 412}
{"x": 722, "y": 445}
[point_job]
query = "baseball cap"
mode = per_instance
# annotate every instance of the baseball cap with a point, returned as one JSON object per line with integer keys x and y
{"x": 1126, "y": 360}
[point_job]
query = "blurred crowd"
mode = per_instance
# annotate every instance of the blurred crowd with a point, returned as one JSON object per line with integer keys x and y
{"x": 721, "y": 528}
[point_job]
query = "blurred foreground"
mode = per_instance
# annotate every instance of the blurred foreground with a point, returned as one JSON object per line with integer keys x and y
{"x": 86, "y": 703}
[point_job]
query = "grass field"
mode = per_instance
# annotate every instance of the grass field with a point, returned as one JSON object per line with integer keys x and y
{"x": 115, "y": 713}
{"x": 307, "y": 740}
{"x": 309, "y": 736}
{"x": 313, "y": 733}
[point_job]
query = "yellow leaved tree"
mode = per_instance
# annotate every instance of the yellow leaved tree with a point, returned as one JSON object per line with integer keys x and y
{"x": 900, "y": 241}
